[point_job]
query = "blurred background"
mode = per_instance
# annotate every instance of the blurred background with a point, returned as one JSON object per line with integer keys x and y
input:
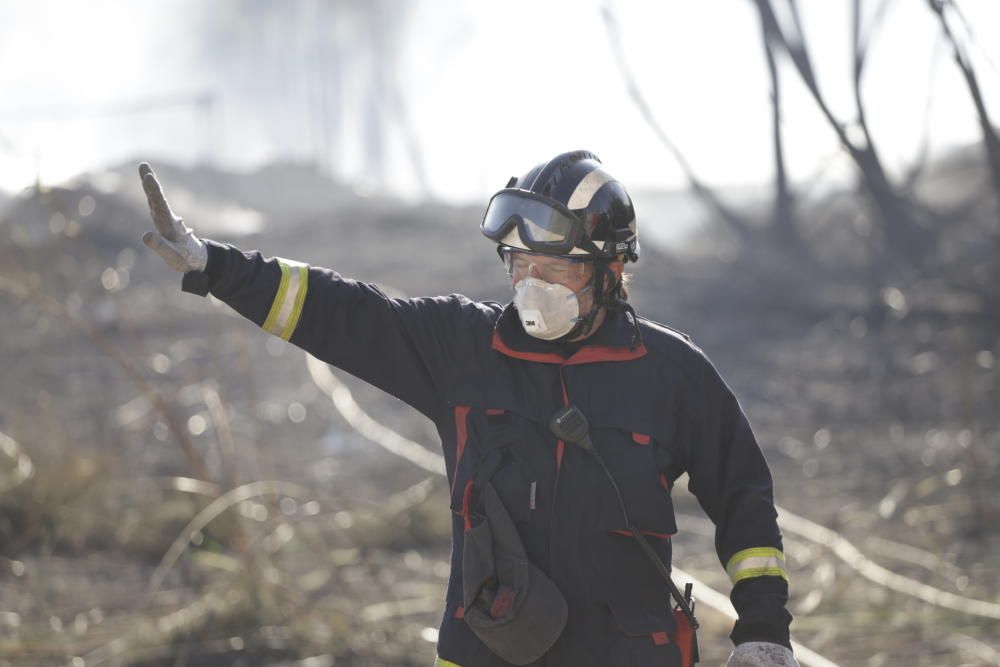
{"x": 818, "y": 193}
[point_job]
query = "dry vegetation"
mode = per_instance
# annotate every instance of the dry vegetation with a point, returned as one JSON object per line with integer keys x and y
{"x": 175, "y": 490}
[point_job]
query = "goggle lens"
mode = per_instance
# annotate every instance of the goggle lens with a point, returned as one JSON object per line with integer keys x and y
{"x": 556, "y": 270}
{"x": 541, "y": 225}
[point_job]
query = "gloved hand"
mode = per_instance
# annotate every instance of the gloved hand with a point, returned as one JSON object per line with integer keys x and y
{"x": 175, "y": 242}
{"x": 761, "y": 654}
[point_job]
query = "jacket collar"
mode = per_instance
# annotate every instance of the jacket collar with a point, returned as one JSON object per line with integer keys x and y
{"x": 612, "y": 342}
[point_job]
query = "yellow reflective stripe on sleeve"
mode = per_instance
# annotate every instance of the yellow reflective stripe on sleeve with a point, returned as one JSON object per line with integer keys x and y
{"x": 756, "y": 562}
{"x": 287, "y": 306}
{"x": 302, "y": 286}
{"x": 441, "y": 662}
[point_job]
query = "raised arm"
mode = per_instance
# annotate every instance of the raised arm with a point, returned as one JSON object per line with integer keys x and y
{"x": 403, "y": 346}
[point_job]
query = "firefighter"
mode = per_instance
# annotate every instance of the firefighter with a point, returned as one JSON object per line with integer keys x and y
{"x": 568, "y": 581}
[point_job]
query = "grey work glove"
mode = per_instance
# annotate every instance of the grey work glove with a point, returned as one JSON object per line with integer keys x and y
{"x": 761, "y": 654}
{"x": 173, "y": 240}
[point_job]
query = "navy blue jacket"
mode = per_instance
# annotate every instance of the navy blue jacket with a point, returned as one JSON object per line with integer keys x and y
{"x": 656, "y": 410}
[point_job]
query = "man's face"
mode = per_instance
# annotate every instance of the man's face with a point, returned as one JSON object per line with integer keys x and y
{"x": 575, "y": 275}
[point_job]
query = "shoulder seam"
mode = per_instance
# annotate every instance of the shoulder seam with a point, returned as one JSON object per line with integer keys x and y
{"x": 680, "y": 333}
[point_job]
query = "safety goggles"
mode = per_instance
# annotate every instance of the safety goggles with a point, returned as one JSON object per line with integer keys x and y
{"x": 542, "y": 224}
{"x": 557, "y": 270}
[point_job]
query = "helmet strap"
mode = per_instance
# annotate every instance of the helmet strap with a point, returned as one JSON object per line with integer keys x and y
{"x": 614, "y": 302}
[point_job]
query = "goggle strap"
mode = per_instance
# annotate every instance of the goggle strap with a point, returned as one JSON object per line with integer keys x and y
{"x": 591, "y": 247}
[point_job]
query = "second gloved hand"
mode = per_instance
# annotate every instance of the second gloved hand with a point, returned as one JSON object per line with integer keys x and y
{"x": 761, "y": 654}
{"x": 173, "y": 240}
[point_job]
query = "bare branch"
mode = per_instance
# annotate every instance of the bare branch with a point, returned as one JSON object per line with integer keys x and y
{"x": 901, "y": 231}
{"x": 702, "y": 191}
{"x": 783, "y": 220}
{"x": 915, "y": 171}
{"x": 991, "y": 142}
{"x": 864, "y": 37}
{"x": 860, "y": 51}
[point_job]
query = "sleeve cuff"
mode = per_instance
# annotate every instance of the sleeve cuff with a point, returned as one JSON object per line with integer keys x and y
{"x": 195, "y": 282}
{"x": 760, "y": 632}
{"x": 200, "y": 282}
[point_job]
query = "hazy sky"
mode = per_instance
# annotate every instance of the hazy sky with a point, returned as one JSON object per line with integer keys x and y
{"x": 488, "y": 88}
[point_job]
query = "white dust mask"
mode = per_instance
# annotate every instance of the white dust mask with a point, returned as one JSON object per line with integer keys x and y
{"x": 547, "y": 310}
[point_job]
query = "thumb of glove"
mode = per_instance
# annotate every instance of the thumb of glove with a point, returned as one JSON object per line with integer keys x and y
{"x": 186, "y": 254}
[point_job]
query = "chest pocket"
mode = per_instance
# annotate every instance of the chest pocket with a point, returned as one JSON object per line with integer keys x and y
{"x": 637, "y": 462}
{"x": 618, "y": 568}
{"x": 506, "y": 449}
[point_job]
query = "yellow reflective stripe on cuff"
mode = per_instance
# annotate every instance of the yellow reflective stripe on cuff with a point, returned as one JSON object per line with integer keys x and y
{"x": 287, "y": 306}
{"x": 756, "y": 562}
{"x": 441, "y": 662}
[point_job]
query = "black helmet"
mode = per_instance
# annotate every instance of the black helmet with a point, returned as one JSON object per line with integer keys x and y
{"x": 566, "y": 206}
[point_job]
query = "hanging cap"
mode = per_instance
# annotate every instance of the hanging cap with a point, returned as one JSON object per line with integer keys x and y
{"x": 510, "y": 604}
